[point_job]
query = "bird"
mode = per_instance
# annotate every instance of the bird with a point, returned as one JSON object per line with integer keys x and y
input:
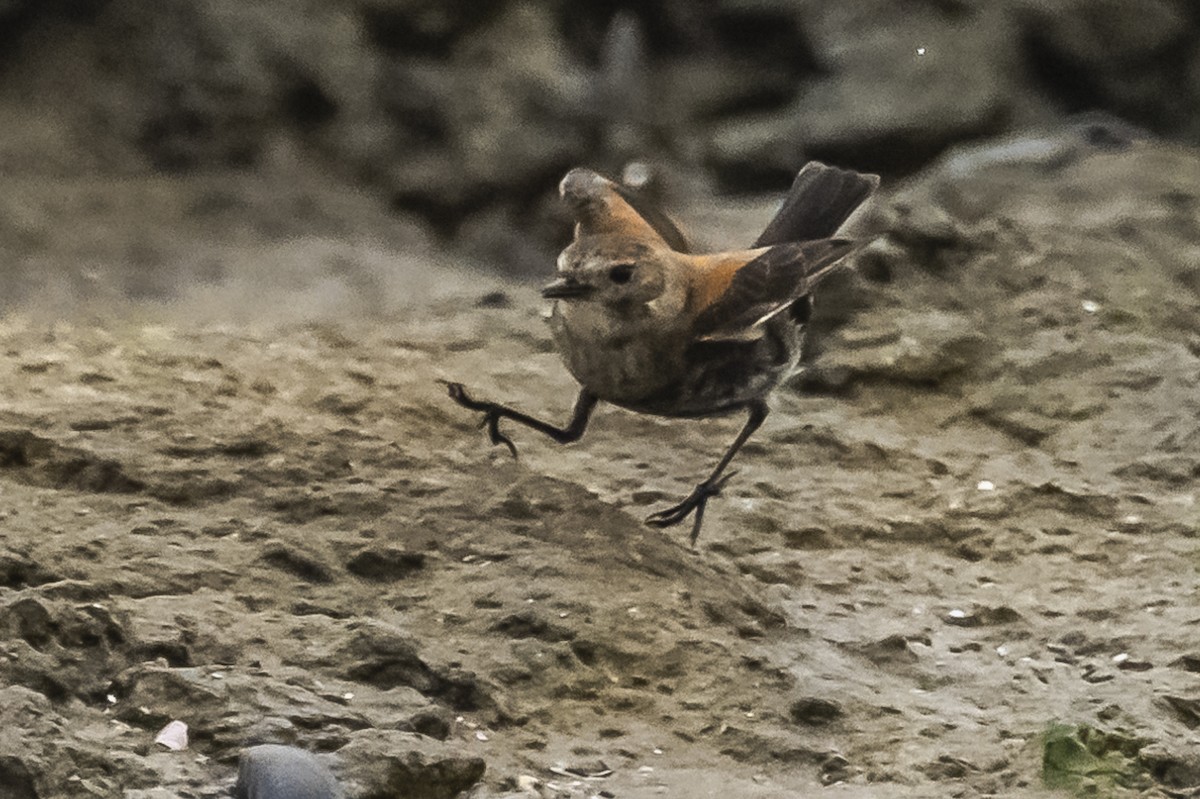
{"x": 644, "y": 323}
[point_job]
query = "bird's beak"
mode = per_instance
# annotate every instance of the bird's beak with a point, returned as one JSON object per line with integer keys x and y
{"x": 566, "y": 288}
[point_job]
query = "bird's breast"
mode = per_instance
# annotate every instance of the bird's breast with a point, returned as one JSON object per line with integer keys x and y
{"x": 617, "y": 359}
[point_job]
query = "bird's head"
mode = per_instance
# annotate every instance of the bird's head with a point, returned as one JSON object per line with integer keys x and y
{"x": 611, "y": 271}
{"x": 600, "y": 208}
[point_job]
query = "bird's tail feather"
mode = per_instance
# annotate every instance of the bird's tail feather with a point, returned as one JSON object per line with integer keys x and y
{"x": 821, "y": 198}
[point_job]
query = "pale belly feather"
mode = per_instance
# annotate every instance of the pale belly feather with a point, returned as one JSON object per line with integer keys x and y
{"x": 618, "y": 365}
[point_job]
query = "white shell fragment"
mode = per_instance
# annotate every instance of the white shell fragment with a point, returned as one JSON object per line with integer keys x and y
{"x": 174, "y": 736}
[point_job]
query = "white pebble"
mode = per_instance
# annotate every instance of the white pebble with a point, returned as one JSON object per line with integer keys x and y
{"x": 985, "y": 485}
{"x": 174, "y": 736}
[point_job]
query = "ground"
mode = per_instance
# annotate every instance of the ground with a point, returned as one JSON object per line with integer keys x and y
{"x": 960, "y": 558}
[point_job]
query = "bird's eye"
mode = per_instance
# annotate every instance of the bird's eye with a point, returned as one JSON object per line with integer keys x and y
{"x": 621, "y": 273}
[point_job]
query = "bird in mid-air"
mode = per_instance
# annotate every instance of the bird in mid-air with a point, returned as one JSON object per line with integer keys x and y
{"x": 646, "y": 324}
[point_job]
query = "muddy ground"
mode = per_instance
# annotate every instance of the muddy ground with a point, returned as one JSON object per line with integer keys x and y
{"x": 960, "y": 559}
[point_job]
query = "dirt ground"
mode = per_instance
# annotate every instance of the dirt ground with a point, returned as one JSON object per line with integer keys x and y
{"x": 960, "y": 559}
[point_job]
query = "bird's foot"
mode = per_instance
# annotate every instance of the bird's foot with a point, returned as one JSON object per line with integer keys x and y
{"x": 694, "y": 502}
{"x": 492, "y": 414}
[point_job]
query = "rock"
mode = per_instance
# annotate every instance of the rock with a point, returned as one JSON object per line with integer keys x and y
{"x": 529, "y": 624}
{"x": 815, "y": 711}
{"x": 17, "y": 779}
{"x": 926, "y": 348}
{"x": 59, "y": 647}
{"x": 33, "y": 738}
{"x": 890, "y": 651}
{"x": 383, "y": 656}
{"x": 753, "y": 746}
{"x": 1185, "y": 708}
{"x": 271, "y": 771}
{"x": 485, "y": 142}
{"x": 35, "y": 460}
{"x": 385, "y": 563}
{"x": 287, "y": 557}
{"x": 1118, "y": 54}
{"x": 982, "y": 616}
{"x": 882, "y": 103}
{"x": 1170, "y": 765}
{"x": 431, "y": 723}
{"x": 18, "y": 570}
{"x": 151, "y": 696}
{"x": 948, "y": 767}
{"x": 393, "y": 763}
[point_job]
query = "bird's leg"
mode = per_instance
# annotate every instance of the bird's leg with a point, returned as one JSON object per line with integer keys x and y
{"x": 700, "y": 495}
{"x": 585, "y": 403}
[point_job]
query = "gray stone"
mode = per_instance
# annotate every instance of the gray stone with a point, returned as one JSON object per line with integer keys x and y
{"x": 271, "y": 771}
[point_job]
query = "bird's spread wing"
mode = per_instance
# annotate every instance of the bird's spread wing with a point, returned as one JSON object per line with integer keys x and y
{"x": 821, "y": 198}
{"x": 736, "y": 295}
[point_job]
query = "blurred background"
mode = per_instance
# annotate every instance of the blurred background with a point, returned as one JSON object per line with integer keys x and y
{"x": 151, "y": 148}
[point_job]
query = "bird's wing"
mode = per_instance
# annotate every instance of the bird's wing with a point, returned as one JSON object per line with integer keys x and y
{"x": 821, "y": 198}
{"x": 735, "y": 293}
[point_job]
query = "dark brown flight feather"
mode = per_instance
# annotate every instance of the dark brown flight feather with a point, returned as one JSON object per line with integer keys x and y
{"x": 821, "y": 198}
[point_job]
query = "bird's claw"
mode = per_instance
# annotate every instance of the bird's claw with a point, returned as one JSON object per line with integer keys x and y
{"x": 694, "y": 502}
{"x": 491, "y": 414}
{"x": 492, "y": 420}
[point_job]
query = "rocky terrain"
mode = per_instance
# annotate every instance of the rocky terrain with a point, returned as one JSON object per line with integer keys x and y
{"x": 241, "y": 243}
{"x": 960, "y": 559}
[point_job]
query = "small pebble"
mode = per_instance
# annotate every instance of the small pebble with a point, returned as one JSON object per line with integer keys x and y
{"x": 174, "y": 736}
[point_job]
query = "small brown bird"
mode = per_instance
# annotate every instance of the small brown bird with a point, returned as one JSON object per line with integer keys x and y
{"x": 645, "y": 324}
